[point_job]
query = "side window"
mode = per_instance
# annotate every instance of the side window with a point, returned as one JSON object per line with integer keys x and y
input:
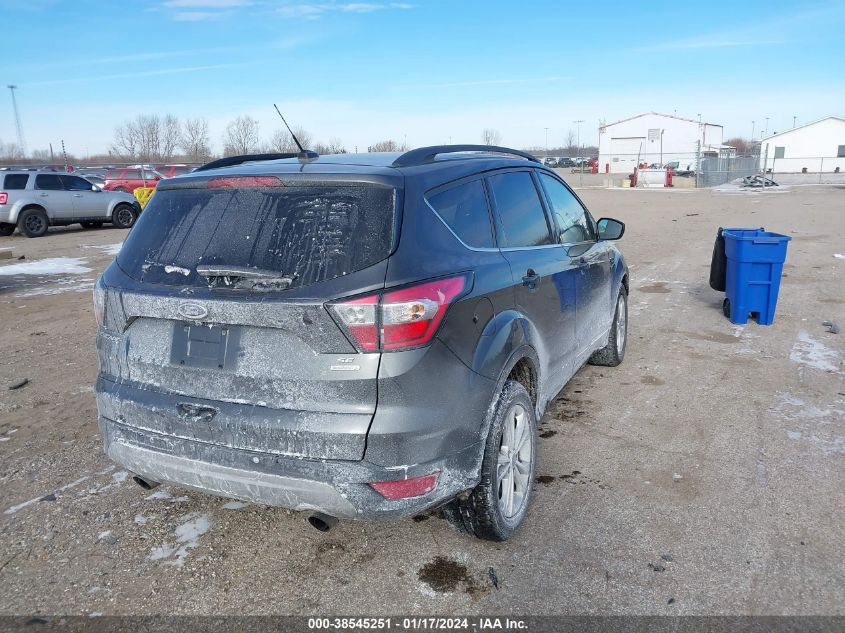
{"x": 15, "y": 181}
{"x": 48, "y": 182}
{"x": 521, "y": 216}
{"x": 573, "y": 223}
{"x": 464, "y": 209}
{"x": 75, "y": 183}
{"x": 150, "y": 175}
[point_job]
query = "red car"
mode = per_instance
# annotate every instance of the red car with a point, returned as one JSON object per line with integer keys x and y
{"x": 128, "y": 179}
{"x": 168, "y": 171}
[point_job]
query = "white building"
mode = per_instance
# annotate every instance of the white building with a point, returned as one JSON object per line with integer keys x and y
{"x": 816, "y": 147}
{"x": 656, "y": 139}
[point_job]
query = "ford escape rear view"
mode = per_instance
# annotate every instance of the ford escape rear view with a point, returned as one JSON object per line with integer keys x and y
{"x": 357, "y": 336}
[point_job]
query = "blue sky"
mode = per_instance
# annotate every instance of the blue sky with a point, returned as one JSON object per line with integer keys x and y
{"x": 423, "y": 70}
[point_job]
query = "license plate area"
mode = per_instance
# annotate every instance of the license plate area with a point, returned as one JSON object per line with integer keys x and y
{"x": 205, "y": 345}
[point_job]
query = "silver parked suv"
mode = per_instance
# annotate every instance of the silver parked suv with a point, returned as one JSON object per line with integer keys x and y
{"x": 33, "y": 201}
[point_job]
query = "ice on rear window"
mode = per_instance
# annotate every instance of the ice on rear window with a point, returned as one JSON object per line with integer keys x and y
{"x": 308, "y": 233}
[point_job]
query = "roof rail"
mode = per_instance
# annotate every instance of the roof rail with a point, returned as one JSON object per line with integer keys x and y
{"x": 244, "y": 158}
{"x": 423, "y": 155}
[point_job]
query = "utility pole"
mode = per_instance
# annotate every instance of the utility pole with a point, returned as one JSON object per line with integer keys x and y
{"x": 578, "y": 141}
{"x": 767, "y": 126}
{"x": 794, "y": 119}
{"x": 547, "y": 140}
{"x": 21, "y": 141}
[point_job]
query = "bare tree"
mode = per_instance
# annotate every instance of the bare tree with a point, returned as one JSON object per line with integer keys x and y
{"x": 194, "y": 140}
{"x": 241, "y": 136}
{"x": 283, "y": 142}
{"x": 334, "y": 146}
{"x": 147, "y": 138}
{"x": 10, "y": 151}
{"x": 490, "y": 136}
{"x": 743, "y": 146}
{"x": 170, "y": 133}
{"x": 571, "y": 143}
{"x": 388, "y": 146}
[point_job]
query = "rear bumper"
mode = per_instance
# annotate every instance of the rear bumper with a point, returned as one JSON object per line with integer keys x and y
{"x": 334, "y": 487}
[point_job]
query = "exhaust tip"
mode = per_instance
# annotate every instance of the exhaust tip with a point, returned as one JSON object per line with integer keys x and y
{"x": 322, "y": 522}
{"x": 145, "y": 484}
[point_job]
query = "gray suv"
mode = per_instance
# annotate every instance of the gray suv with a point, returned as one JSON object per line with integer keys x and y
{"x": 33, "y": 201}
{"x": 355, "y": 336}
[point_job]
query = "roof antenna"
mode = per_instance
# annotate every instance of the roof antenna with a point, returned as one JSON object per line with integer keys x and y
{"x": 305, "y": 155}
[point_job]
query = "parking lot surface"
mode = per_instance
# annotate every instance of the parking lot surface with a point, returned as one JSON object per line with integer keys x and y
{"x": 702, "y": 476}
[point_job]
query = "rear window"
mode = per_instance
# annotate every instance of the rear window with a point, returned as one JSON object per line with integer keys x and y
{"x": 307, "y": 233}
{"x": 464, "y": 209}
{"x": 15, "y": 181}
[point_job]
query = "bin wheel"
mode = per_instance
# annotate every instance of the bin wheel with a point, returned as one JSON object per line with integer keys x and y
{"x": 726, "y": 307}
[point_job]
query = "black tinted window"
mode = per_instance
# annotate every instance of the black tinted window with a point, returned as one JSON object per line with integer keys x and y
{"x": 75, "y": 183}
{"x": 572, "y": 221}
{"x": 48, "y": 182}
{"x": 519, "y": 209}
{"x": 310, "y": 233}
{"x": 15, "y": 181}
{"x": 464, "y": 208}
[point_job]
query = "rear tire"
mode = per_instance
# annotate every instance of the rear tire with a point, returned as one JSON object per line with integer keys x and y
{"x": 6, "y": 229}
{"x": 123, "y": 216}
{"x": 613, "y": 353}
{"x": 91, "y": 225}
{"x": 33, "y": 222}
{"x": 496, "y": 507}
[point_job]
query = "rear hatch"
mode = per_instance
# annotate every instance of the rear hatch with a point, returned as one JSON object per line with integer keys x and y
{"x": 222, "y": 312}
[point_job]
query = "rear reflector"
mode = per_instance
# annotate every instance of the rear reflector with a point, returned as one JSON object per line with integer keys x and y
{"x": 4, "y": 197}
{"x": 406, "y": 488}
{"x": 400, "y": 319}
{"x": 243, "y": 182}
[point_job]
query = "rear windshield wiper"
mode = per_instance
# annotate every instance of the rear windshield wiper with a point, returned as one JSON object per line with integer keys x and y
{"x": 245, "y": 278}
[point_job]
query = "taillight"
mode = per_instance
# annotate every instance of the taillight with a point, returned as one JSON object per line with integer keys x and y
{"x": 4, "y": 197}
{"x": 405, "y": 488}
{"x": 99, "y": 303}
{"x": 358, "y": 317}
{"x": 241, "y": 182}
{"x": 399, "y": 319}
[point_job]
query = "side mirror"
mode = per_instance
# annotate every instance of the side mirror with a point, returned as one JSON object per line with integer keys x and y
{"x": 95, "y": 188}
{"x": 610, "y": 229}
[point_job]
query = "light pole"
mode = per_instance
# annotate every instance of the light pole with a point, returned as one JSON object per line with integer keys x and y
{"x": 578, "y": 142}
{"x": 767, "y": 126}
{"x": 19, "y": 128}
{"x": 547, "y": 140}
{"x": 794, "y": 119}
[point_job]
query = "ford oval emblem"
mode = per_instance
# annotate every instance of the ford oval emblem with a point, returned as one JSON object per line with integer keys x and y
{"x": 193, "y": 311}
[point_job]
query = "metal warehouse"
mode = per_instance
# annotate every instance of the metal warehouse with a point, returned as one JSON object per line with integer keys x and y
{"x": 655, "y": 138}
{"x": 815, "y": 147}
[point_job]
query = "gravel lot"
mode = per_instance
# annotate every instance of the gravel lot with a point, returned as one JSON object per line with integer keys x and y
{"x": 703, "y": 476}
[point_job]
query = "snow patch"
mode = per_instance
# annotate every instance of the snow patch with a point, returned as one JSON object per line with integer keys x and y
{"x": 234, "y": 505}
{"x": 177, "y": 269}
{"x": 187, "y": 538}
{"x": 49, "y": 266}
{"x": 25, "y": 504}
{"x": 59, "y": 286}
{"x": 812, "y": 353}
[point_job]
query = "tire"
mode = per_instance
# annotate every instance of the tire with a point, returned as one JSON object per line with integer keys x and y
{"x": 123, "y": 216}
{"x": 6, "y": 229}
{"x": 726, "y": 307}
{"x": 488, "y": 512}
{"x": 33, "y": 222}
{"x": 91, "y": 225}
{"x": 613, "y": 353}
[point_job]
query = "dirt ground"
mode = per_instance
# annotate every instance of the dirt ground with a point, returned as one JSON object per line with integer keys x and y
{"x": 703, "y": 476}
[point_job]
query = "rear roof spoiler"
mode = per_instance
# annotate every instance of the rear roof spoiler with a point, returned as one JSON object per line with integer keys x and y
{"x": 423, "y": 155}
{"x": 244, "y": 158}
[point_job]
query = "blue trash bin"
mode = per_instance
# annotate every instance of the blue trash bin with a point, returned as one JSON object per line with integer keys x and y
{"x": 754, "y": 265}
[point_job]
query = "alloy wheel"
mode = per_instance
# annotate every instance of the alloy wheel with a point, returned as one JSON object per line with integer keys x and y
{"x": 514, "y": 464}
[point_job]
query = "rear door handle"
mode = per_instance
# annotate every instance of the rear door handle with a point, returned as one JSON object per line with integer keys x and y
{"x": 531, "y": 278}
{"x": 43, "y": 195}
{"x": 77, "y": 195}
